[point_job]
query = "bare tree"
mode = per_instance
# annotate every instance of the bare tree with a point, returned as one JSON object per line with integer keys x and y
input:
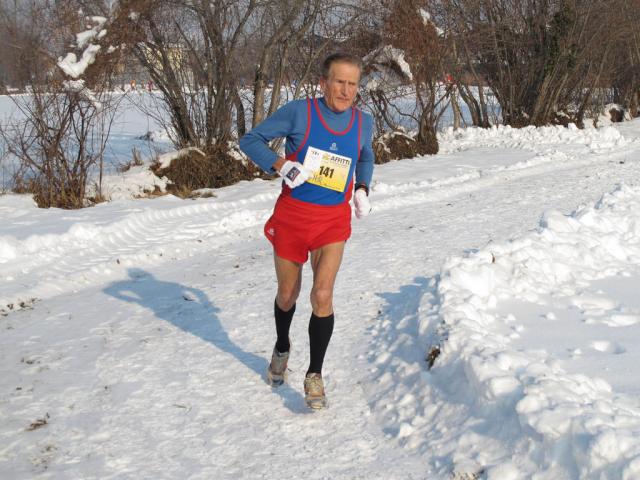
{"x": 60, "y": 130}
{"x": 25, "y": 52}
{"x": 384, "y": 79}
{"x": 538, "y": 57}
{"x": 626, "y": 69}
{"x": 286, "y": 24}
{"x": 426, "y": 50}
{"x": 463, "y": 71}
{"x": 200, "y": 53}
{"x": 188, "y": 48}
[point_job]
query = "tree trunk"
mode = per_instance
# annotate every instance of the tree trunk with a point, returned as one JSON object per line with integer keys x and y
{"x": 457, "y": 114}
{"x": 240, "y": 115}
{"x": 427, "y": 140}
{"x": 472, "y": 104}
{"x": 634, "y": 107}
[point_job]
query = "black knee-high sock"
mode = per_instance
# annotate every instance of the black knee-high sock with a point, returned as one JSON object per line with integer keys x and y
{"x": 320, "y": 330}
{"x": 283, "y": 323}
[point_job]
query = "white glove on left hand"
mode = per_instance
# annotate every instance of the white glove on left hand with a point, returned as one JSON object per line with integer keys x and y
{"x": 361, "y": 202}
{"x": 294, "y": 174}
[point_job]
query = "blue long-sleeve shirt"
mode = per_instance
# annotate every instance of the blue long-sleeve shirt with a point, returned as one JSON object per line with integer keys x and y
{"x": 290, "y": 121}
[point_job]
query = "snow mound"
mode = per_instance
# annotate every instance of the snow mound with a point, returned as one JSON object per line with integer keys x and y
{"x": 134, "y": 183}
{"x": 165, "y": 159}
{"x": 13, "y": 205}
{"x": 520, "y": 407}
{"x": 595, "y": 140}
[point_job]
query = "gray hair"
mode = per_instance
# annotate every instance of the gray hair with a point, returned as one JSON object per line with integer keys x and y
{"x": 340, "y": 57}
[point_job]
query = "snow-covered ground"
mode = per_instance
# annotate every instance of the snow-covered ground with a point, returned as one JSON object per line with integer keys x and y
{"x": 135, "y": 334}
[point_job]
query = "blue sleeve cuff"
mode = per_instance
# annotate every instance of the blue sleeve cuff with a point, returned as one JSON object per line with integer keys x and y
{"x": 364, "y": 167}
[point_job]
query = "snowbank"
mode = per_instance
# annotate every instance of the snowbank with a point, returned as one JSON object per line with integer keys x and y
{"x": 535, "y": 417}
{"x": 136, "y": 182}
{"x": 536, "y": 138}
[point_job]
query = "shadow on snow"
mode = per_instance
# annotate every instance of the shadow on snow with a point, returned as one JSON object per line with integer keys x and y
{"x": 191, "y": 310}
{"x": 402, "y": 312}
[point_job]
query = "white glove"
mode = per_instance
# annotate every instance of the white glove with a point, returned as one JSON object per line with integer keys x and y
{"x": 361, "y": 202}
{"x": 294, "y": 174}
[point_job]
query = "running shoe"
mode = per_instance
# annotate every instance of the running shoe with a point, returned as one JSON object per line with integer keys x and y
{"x": 314, "y": 391}
{"x": 277, "y": 370}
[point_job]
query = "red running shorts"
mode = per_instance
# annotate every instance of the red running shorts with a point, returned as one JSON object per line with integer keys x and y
{"x": 297, "y": 228}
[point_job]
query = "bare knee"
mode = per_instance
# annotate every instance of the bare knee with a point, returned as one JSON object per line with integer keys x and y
{"x": 322, "y": 301}
{"x": 287, "y": 297}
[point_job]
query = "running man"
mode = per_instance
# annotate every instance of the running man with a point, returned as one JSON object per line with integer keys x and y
{"x": 328, "y": 142}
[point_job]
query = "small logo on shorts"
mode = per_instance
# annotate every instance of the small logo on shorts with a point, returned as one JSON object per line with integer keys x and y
{"x": 271, "y": 231}
{"x": 334, "y": 147}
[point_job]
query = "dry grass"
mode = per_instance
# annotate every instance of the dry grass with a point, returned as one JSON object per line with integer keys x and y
{"x": 395, "y": 146}
{"x": 218, "y": 168}
{"x": 136, "y": 161}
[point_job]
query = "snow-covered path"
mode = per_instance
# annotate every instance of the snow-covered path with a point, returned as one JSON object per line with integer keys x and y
{"x": 146, "y": 350}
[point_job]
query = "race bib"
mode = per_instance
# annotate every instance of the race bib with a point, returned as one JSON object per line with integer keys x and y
{"x": 329, "y": 169}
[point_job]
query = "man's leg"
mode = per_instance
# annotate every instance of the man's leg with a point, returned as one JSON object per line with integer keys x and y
{"x": 325, "y": 262}
{"x": 289, "y": 275}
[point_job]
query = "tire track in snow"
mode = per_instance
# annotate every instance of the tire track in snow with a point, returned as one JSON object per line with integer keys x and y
{"x": 389, "y": 197}
{"x": 88, "y": 254}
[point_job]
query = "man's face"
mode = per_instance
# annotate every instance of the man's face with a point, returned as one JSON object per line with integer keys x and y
{"x": 341, "y": 88}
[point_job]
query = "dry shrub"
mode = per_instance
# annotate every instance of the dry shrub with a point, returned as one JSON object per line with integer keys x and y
{"x": 156, "y": 192}
{"x": 206, "y": 193}
{"x": 395, "y": 146}
{"x": 97, "y": 198}
{"x": 561, "y": 118}
{"x": 46, "y": 194}
{"x": 219, "y": 167}
{"x": 616, "y": 114}
{"x": 136, "y": 161}
{"x": 428, "y": 145}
